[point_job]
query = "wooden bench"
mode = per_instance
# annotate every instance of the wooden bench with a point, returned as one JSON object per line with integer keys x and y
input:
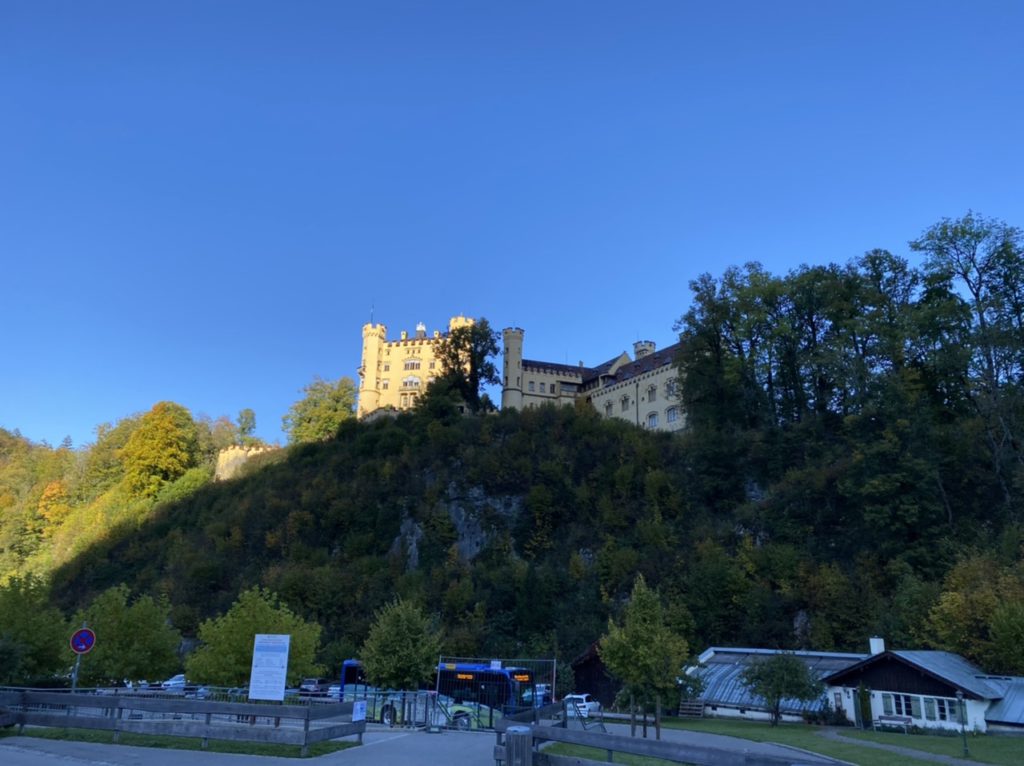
{"x": 894, "y": 721}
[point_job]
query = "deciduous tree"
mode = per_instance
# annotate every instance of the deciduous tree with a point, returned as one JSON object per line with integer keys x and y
{"x": 33, "y": 633}
{"x": 319, "y": 414}
{"x": 225, "y": 654}
{"x": 465, "y": 357}
{"x": 402, "y": 648}
{"x": 779, "y": 677}
{"x": 161, "y": 449}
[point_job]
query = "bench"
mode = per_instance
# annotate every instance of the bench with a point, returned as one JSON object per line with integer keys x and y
{"x": 894, "y": 721}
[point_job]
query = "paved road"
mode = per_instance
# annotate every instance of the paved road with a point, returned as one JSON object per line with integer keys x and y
{"x": 394, "y": 747}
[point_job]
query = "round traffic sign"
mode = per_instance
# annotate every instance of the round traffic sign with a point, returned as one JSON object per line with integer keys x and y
{"x": 82, "y": 641}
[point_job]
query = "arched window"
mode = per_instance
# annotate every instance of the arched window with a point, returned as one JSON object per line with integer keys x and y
{"x": 410, "y": 381}
{"x": 652, "y": 420}
{"x": 672, "y": 388}
{"x": 672, "y": 415}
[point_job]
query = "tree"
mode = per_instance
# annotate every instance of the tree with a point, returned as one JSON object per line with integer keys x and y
{"x": 33, "y": 634}
{"x": 402, "y": 648}
{"x": 465, "y": 359}
{"x": 319, "y": 414}
{"x": 161, "y": 449}
{"x": 133, "y": 640}
{"x": 781, "y": 676}
{"x": 225, "y": 654}
{"x": 246, "y": 427}
{"x": 643, "y": 652}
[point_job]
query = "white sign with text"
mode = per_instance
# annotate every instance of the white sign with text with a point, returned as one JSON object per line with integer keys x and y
{"x": 269, "y": 667}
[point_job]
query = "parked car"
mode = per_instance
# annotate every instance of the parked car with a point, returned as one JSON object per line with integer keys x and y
{"x": 315, "y": 687}
{"x": 174, "y": 684}
{"x": 581, "y": 705}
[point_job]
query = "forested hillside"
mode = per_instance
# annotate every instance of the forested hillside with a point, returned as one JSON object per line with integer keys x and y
{"x": 852, "y": 466}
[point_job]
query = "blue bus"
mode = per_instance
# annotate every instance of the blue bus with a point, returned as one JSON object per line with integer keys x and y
{"x": 488, "y": 692}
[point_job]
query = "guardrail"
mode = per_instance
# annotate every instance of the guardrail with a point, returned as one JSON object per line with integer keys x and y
{"x": 300, "y": 725}
{"x": 517, "y": 745}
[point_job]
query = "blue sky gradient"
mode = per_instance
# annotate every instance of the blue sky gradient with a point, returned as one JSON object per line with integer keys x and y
{"x": 201, "y": 202}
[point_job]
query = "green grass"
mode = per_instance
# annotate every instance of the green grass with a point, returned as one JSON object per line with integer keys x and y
{"x": 984, "y": 748}
{"x": 179, "y": 743}
{"x": 995, "y": 749}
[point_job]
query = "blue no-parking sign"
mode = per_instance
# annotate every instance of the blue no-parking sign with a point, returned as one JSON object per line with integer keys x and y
{"x": 82, "y": 641}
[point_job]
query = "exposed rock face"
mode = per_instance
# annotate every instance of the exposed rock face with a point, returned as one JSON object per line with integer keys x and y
{"x": 231, "y": 460}
{"x": 475, "y": 516}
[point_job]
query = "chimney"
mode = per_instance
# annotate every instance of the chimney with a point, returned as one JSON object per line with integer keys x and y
{"x": 877, "y": 645}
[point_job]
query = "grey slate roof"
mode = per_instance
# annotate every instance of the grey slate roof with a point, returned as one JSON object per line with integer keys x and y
{"x": 1010, "y": 709}
{"x": 952, "y": 668}
{"x": 724, "y": 666}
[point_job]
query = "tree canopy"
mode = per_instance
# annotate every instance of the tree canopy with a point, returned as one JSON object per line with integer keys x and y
{"x": 466, "y": 357}
{"x": 321, "y": 411}
{"x": 224, "y": 656}
{"x": 402, "y": 648}
{"x": 780, "y": 677}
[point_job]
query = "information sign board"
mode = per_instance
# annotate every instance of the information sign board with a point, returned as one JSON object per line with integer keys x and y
{"x": 269, "y": 667}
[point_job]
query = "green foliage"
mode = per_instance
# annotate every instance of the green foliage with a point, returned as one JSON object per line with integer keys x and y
{"x": 643, "y": 652}
{"x": 246, "y": 427}
{"x": 225, "y": 655}
{"x": 403, "y": 646}
{"x": 133, "y": 640}
{"x": 33, "y": 634}
{"x": 160, "y": 449}
{"x": 465, "y": 357}
{"x": 321, "y": 411}
{"x": 779, "y": 677}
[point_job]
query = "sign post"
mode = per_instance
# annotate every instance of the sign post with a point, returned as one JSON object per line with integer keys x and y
{"x": 82, "y": 642}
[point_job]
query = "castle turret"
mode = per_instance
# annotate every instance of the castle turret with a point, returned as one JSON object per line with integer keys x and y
{"x": 512, "y": 368}
{"x": 643, "y": 348}
{"x": 369, "y": 368}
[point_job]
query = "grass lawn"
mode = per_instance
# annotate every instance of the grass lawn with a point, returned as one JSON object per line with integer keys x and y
{"x": 179, "y": 743}
{"x": 994, "y": 749}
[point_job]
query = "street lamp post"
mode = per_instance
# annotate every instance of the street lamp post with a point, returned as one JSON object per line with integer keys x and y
{"x": 963, "y": 720}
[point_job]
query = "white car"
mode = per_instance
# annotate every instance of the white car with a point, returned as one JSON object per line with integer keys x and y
{"x": 582, "y": 705}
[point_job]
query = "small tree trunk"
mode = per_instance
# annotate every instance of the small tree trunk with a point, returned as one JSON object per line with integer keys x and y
{"x": 657, "y": 716}
{"x": 645, "y": 721}
{"x": 632, "y": 716}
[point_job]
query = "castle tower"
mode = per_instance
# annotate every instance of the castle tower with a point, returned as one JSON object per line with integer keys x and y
{"x": 643, "y": 348}
{"x": 459, "y": 321}
{"x": 512, "y": 368}
{"x": 369, "y": 368}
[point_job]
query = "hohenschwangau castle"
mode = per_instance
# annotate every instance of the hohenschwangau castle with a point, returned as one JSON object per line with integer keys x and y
{"x": 642, "y": 389}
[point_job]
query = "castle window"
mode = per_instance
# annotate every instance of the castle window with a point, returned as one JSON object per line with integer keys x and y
{"x": 607, "y": 409}
{"x": 671, "y": 389}
{"x": 529, "y": 386}
{"x": 412, "y": 364}
{"x": 405, "y": 400}
{"x": 652, "y": 420}
{"x": 672, "y": 415}
{"x": 410, "y": 381}
{"x": 387, "y": 367}
{"x": 431, "y": 365}
{"x": 652, "y": 393}
{"x": 625, "y": 403}
{"x": 384, "y": 384}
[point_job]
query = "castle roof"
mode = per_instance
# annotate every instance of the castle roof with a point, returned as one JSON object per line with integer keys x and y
{"x": 607, "y": 373}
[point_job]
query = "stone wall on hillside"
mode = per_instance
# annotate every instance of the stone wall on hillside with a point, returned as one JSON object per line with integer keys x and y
{"x": 231, "y": 460}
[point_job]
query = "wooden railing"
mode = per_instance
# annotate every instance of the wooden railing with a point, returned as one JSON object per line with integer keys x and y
{"x": 300, "y": 725}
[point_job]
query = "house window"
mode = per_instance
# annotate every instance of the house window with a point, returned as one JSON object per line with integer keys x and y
{"x": 652, "y": 393}
{"x": 652, "y": 420}
{"x": 530, "y": 387}
{"x": 384, "y": 384}
{"x": 625, "y": 403}
{"x": 901, "y": 704}
{"x": 387, "y": 367}
{"x": 607, "y": 409}
{"x": 672, "y": 414}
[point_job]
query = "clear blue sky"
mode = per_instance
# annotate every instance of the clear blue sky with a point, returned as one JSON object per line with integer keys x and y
{"x": 201, "y": 201}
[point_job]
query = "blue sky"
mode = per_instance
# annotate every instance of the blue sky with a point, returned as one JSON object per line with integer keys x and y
{"x": 201, "y": 201}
